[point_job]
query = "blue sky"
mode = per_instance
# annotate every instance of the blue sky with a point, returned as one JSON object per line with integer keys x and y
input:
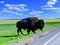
{"x": 18, "y": 9}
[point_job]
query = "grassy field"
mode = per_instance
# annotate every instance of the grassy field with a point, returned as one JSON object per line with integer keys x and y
{"x": 8, "y": 30}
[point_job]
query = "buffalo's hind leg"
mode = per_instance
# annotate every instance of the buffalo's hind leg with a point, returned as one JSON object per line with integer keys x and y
{"x": 28, "y": 31}
{"x": 33, "y": 31}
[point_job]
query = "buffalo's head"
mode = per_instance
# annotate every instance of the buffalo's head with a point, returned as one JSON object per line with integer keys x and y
{"x": 41, "y": 24}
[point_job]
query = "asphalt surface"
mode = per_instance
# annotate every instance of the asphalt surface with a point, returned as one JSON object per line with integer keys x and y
{"x": 51, "y": 38}
{"x": 55, "y": 40}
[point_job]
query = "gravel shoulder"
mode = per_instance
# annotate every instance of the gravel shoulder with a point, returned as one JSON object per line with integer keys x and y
{"x": 33, "y": 37}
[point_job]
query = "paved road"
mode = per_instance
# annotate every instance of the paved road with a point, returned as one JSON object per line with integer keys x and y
{"x": 52, "y": 38}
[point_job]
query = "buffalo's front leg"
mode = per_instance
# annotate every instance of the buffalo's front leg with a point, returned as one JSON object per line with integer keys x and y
{"x": 19, "y": 30}
{"x": 41, "y": 29}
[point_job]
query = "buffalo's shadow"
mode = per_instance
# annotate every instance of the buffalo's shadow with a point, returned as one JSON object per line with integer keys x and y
{"x": 8, "y": 36}
{"x": 12, "y": 36}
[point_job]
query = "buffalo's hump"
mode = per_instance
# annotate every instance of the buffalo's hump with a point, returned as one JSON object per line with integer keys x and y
{"x": 31, "y": 21}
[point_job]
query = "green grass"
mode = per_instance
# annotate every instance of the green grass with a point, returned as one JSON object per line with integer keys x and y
{"x": 8, "y": 30}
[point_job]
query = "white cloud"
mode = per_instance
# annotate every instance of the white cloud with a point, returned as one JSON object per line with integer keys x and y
{"x": 0, "y": 12}
{"x": 57, "y": 10}
{"x": 12, "y": 12}
{"x": 51, "y": 2}
{"x": 36, "y": 13}
{"x": 1, "y": 2}
{"x": 49, "y": 5}
{"x": 51, "y": 8}
{"x": 10, "y": 9}
{"x": 46, "y": 6}
{"x": 19, "y": 7}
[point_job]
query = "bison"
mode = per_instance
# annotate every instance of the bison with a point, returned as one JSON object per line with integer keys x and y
{"x": 31, "y": 24}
